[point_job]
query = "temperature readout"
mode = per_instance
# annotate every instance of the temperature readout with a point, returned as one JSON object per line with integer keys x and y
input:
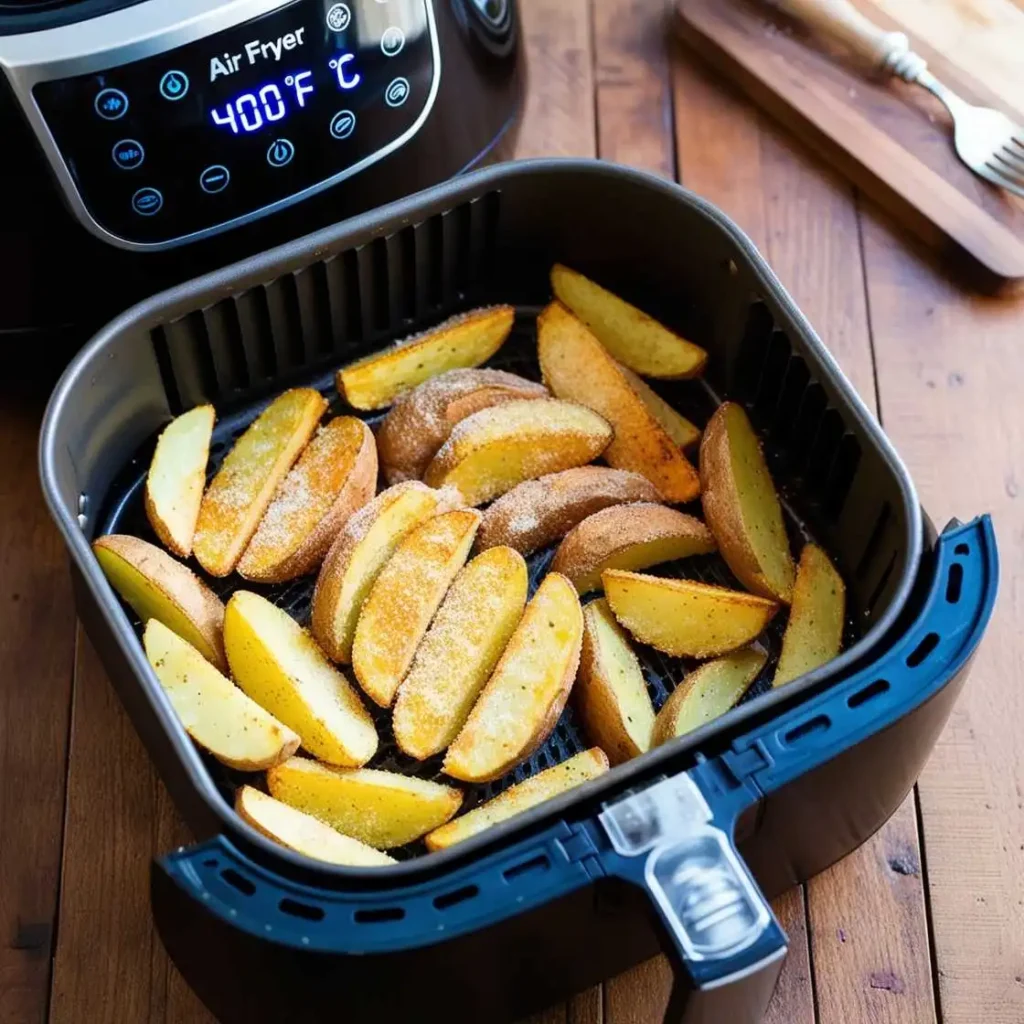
{"x": 251, "y": 111}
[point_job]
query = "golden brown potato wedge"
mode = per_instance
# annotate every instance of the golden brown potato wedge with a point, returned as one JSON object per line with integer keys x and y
{"x": 628, "y": 537}
{"x": 676, "y": 425}
{"x": 741, "y": 506}
{"x": 635, "y": 339}
{"x": 302, "y": 832}
{"x": 459, "y": 652}
{"x": 537, "y": 512}
{"x": 356, "y": 557}
{"x": 685, "y": 618}
{"x": 516, "y": 799}
{"x": 611, "y": 693}
{"x": 707, "y": 693}
{"x": 176, "y": 477}
{"x": 468, "y": 339}
{"x": 277, "y": 663}
{"x": 404, "y": 598}
{"x": 244, "y": 486}
{"x": 381, "y": 809}
{"x": 335, "y": 476}
{"x": 158, "y": 587}
{"x": 522, "y": 700}
{"x": 491, "y": 451}
{"x": 215, "y": 712}
{"x": 576, "y": 367}
{"x": 814, "y": 633}
{"x": 421, "y": 420}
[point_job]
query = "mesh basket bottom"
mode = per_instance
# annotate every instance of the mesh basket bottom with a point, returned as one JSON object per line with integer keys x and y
{"x": 125, "y": 513}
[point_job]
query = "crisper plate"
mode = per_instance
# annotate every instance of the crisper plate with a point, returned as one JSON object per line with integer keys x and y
{"x": 125, "y": 513}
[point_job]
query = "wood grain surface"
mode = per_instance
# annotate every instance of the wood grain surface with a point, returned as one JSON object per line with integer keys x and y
{"x": 924, "y": 923}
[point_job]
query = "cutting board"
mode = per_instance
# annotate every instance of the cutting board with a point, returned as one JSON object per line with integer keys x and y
{"x": 893, "y": 140}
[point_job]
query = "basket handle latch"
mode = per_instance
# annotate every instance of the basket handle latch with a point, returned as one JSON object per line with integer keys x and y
{"x": 726, "y": 946}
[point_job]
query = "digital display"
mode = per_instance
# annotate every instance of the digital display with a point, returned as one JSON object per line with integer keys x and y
{"x": 229, "y": 125}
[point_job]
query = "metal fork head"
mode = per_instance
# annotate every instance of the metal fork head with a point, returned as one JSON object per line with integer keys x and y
{"x": 991, "y": 145}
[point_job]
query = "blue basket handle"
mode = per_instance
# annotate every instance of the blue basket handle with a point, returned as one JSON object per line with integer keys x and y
{"x": 671, "y": 837}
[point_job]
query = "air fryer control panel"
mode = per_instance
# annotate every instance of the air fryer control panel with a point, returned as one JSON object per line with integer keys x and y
{"x": 197, "y": 138}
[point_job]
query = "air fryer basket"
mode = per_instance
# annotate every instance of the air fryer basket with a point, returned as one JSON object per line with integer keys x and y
{"x": 292, "y": 315}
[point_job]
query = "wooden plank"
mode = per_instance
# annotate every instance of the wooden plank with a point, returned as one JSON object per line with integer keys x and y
{"x": 949, "y": 374}
{"x": 110, "y": 965}
{"x": 558, "y": 119}
{"x": 867, "y": 915}
{"x": 36, "y": 657}
{"x": 803, "y": 217}
{"x": 633, "y": 85}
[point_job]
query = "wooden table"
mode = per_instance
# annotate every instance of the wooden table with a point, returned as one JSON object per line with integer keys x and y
{"x": 924, "y": 923}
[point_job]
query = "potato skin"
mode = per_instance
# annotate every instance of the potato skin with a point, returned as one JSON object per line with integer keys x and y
{"x": 723, "y": 510}
{"x": 421, "y": 420}
{"x": 537, "y": 512}
{"x": 178, "y": 589}
{"x": 356, "y": 491}
{"x": 595, "y": 695}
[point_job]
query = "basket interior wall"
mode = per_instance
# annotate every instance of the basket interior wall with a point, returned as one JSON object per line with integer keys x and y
{"x": 241, "y": 348}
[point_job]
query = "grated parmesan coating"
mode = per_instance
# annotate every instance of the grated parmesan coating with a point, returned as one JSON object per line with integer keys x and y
{"x": 421, "y": 420}
{"x": 538, "y": 512}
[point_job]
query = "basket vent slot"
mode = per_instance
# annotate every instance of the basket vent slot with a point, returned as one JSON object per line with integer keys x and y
{"x": 954, "y": 583}
{"x": 239, "y": 882}
{"x": 304, "y": 910}
{"x": 387, "y": 287}
{"x": 820, "y": 723}
{"x": 872, "y": 690}
{"x": 527, "y": 867}
{"x": 456, "y": 896}
{"x": 753, "y": 351}
{"x": 379, "y": 915}
{"x": 918, "y": 655}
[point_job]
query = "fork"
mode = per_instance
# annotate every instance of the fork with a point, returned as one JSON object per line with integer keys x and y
{"x": 989, "y": 142}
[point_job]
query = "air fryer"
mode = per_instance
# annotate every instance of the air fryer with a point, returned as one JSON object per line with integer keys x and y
{"x": 148, "y": 141}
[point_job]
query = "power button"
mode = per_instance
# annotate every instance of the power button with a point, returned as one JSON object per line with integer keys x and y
{"x": 280, "y": 153}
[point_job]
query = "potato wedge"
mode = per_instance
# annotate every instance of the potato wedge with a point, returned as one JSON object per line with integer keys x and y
{"x": 468, "y": 339}
{"x": 676, "y": 425}
{"x": 628, "y": 537}
{"x": 356, "y": 557}
{"x": 741, "y": 506}
{"x": 537, "y": 512}
{"x": 522, "y": 700}
{"x": 421, "y": 420}
{"x": 335, "y": 476}
{"x": 215, "y": 712}
{"x": 814, "y": 633}
{"x": 244, "y": 486}
{"x": 707, "y": 693}
{"x": 635, "y": 339}
{"x": 685, "y": 618}
{"x": 491, "y": 451}
{"x": 381, "y": 809}
{"x": 302, "y": 832}
{"x": 516, "y": 799}
{"x": 158, "y": 587}
{"x": 277, "y": 663}
{"x": 177, "y": 476}
{"x": 611, "y": 693}
{"x": 576, "y": 367}
{"x": 474, "y": 623}
{"x": 404, "y": 598}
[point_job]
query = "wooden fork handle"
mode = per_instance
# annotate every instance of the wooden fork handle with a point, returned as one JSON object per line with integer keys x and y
{"x": 842, "y": 22}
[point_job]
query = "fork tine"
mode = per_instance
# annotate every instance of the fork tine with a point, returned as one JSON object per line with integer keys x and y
{"x": 1014, "y": 161}
{"x": 995, "y": 174}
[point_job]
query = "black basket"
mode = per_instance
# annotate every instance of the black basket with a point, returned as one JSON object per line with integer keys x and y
{"x": 292, "y": 315}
